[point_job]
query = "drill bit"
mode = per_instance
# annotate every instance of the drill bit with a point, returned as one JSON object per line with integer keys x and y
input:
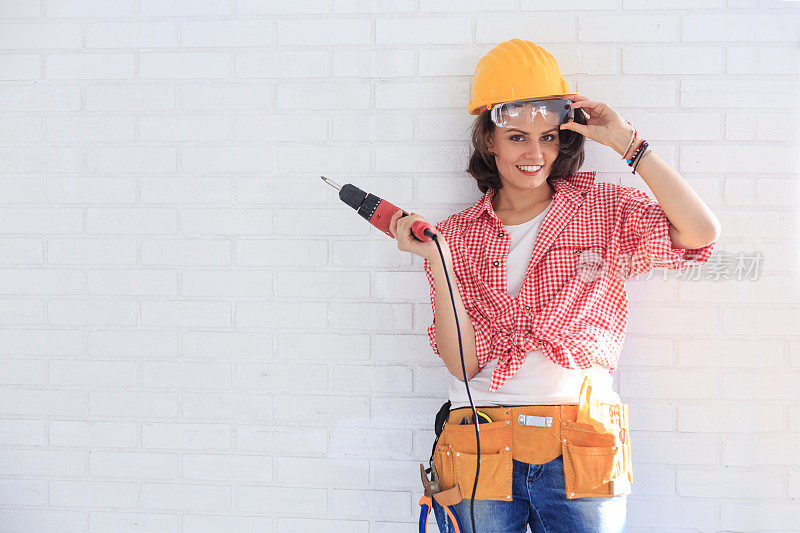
{"x": 331, "y": 183}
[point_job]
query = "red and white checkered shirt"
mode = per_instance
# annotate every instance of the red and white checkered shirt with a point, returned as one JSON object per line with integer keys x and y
{"x": 573, "y": 303}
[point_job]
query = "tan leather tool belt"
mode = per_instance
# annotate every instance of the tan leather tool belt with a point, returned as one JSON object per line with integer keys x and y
{"x": 597, "y": 462}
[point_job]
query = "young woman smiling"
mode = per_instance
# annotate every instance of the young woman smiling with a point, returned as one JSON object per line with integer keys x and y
{"x": 540, "y": 263}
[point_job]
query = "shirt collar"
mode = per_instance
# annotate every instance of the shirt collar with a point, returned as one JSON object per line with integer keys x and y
{"x": 570, "y": 189}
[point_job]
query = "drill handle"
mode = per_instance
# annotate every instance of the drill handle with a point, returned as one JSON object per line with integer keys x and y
{"x": 421, "y": 230}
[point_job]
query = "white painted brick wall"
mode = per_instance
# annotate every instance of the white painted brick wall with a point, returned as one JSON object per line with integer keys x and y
{"x": 197, "y": 336}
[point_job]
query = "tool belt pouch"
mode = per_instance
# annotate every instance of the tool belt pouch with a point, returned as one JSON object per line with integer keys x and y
{"x": 597, "y": 461}
{"x": 456, "y": 459}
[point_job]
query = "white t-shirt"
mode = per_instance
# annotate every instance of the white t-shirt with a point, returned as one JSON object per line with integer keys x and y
{"x": 539, "y": 381}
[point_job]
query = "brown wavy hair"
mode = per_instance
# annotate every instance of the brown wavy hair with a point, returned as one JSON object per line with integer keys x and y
{"x": 483, "y": 167}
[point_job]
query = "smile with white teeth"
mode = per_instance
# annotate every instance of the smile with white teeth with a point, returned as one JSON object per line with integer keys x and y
{"x": 529, "y": 168}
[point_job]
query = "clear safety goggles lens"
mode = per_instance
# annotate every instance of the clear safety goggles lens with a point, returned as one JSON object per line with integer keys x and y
{"x": 523, "y": 112}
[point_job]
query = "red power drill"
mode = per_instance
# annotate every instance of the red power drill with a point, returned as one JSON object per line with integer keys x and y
{"x": 377, "y": 211}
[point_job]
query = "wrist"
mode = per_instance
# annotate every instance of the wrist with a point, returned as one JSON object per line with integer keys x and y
{"x": 622, "y": 140}
{"x": 436, "y": 259}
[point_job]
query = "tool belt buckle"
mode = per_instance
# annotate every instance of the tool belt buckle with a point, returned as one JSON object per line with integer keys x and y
{"x": 538, "y": 421}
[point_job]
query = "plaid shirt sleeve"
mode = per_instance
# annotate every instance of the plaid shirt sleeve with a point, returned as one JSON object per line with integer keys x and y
{"x": 644, "y": 238}
{"x": 479, "y": 323}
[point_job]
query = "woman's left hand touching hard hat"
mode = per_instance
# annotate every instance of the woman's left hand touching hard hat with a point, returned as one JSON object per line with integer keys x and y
{"x": 603, "y": 124}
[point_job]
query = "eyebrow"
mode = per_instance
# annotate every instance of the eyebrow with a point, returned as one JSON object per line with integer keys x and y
{"x": 525, "y": 132}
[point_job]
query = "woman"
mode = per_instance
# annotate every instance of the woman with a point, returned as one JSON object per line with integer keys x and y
{"x": 540, "y": 263}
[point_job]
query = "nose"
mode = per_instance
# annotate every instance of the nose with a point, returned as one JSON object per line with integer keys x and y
{"x": 534, "y": 151}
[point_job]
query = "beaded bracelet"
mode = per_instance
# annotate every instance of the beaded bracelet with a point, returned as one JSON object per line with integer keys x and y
{"x": 640, "y": 149}
{"x": 634, "y": 146}
{"x": 637, "y": 156}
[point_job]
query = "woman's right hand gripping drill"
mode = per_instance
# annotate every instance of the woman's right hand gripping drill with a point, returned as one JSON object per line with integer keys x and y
{"x": 400, "y": 227}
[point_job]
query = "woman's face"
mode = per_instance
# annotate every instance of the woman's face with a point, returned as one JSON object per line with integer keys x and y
{"x": 523, "y": 146}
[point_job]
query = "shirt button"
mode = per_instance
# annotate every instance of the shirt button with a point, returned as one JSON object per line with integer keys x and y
{"x": 500, "y": 234}
{"x": 527, "y": 307}
{"x": 577, "y": 252}
{"x": 496, "y": 263}
{"x": 583, "y": 194}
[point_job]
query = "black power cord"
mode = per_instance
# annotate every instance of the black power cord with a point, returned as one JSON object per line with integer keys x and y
{"x": 466, "y": 384}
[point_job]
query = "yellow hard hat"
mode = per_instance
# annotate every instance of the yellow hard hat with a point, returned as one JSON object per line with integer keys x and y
{"x": 515, "y": 70}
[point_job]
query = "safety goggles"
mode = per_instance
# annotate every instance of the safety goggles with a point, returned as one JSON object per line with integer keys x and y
{"x": 520, "y": 113}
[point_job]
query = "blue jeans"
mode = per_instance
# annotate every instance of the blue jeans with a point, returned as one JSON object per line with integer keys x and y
{"x": 539, "y": 501}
